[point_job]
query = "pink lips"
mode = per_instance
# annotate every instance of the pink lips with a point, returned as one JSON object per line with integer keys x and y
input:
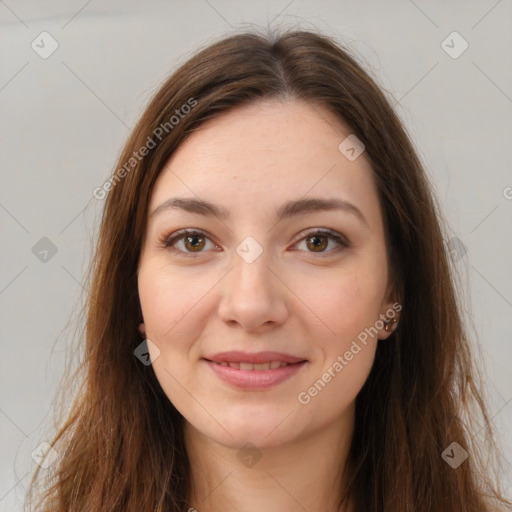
{"x": 254, "y": 371}
{"x": 259, "y": 357}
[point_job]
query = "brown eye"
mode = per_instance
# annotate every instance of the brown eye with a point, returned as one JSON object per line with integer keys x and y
{"x": 188, "y": 242}
{"x": 194, "y": 243}
{"x": 317, "y": 243}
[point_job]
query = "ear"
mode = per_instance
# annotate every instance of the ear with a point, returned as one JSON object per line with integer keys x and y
{"x": 389, "y": 317}
{"x": 389, "y": 324}
{"x": 142, "y": 329}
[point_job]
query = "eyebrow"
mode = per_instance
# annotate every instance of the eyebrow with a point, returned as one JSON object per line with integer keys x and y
{"x": 288, "y": 210}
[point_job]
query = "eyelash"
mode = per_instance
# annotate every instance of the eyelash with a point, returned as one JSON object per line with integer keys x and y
{"x": 167, "y": 241}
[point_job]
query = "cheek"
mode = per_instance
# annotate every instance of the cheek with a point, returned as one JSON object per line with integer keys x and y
{"x": 341, "y": 380}
{"x": 169, "y": 300}
{"x": 348, "y": 304}
{"x": 345, "y": 301}
{"x": 173, "y": 314}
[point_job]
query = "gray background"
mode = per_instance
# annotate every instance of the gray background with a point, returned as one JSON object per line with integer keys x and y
{"x": 65, "y": 118}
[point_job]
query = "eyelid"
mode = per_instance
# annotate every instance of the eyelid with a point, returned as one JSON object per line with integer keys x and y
{"x": 329, "y": 233}
{"x": 167, "y": 241}
{"x": 340, "y": 239}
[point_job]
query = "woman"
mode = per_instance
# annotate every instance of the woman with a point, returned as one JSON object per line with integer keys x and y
{"x": 272, "y": 321}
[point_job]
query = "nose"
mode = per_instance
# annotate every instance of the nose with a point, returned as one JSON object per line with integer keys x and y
{"x": 253, "y": 297}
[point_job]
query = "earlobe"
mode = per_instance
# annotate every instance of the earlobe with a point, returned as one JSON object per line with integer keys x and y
{"x": 389, "y": 325}
{"x": 142, "y": 329}
{"x": 389, "y": 320}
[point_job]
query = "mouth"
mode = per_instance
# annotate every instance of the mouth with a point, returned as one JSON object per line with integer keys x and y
{"x": 257, "y": 358}
{"x": 254, "y": 371}
{"x": 272, "y": 365}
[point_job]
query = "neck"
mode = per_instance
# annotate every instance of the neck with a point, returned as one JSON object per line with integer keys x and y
{"x": 304, "y": 474}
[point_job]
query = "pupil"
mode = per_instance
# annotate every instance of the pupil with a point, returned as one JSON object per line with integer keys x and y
{"x": 319, "y": 243}
{"x": 193, "y": 240}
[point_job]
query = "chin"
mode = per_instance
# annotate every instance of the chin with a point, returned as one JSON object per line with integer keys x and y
{"x": 254, "y": 439}
{"x": 264, "y": 430}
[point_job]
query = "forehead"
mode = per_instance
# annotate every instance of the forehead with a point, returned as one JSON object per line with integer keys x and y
{"x": 263, "y": 153}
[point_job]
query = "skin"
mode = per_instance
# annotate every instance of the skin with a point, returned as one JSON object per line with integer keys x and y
{"x": 290, "y": 299}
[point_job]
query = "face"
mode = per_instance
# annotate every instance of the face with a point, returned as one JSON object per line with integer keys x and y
{"x": 264, "y": 315}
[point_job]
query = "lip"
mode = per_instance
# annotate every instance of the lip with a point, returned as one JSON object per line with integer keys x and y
{"x": 256, "y": 379}
{"x": 236, "y": 356}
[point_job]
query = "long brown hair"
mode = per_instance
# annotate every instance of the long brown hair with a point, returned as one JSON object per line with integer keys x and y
{"x": 121, "y": 447}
